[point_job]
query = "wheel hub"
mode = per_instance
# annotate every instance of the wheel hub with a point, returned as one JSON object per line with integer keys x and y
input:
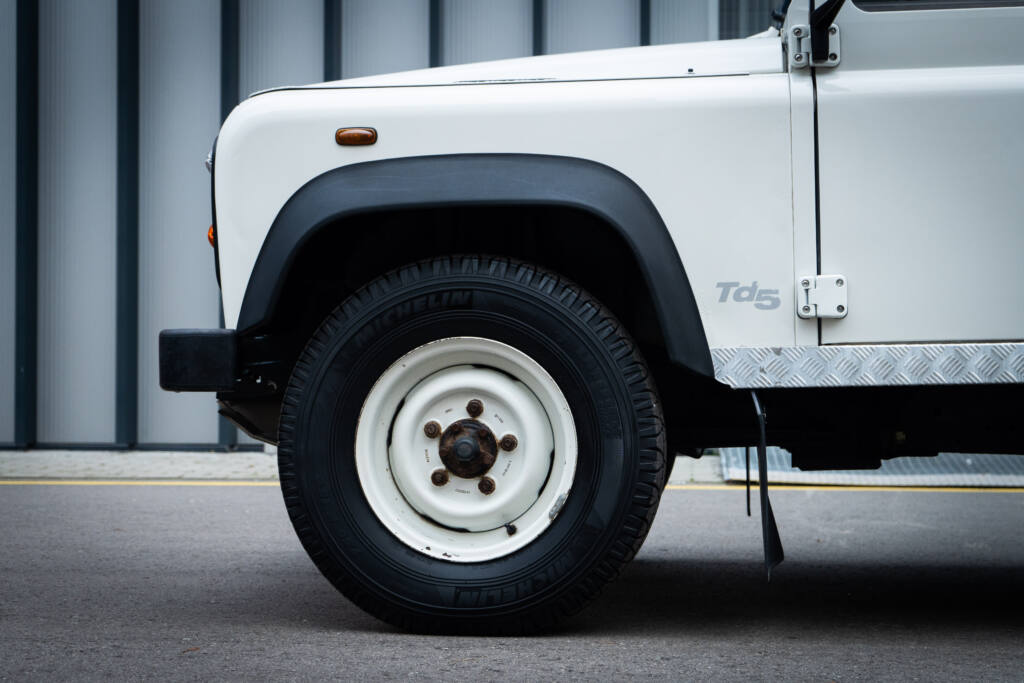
{"x": 468, "y": 448}
{"x": 465, "y": 446}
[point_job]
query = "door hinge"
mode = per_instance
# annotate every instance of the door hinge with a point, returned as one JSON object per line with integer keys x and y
{"x": 821, "y": 296}
{"x": 798, "y": 44}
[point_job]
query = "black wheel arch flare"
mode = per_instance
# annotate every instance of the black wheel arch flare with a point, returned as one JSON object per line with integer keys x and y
{"x": 480, "y": 180}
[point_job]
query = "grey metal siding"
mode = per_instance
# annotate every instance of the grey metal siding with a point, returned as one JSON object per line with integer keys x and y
{"x": 575, "y": 25}
{"x": 281, "y": 43}
{"x": 77, "y": 220}
{"x": 683, "y": 22}
{"x": 741, "y": 18}
{"x": 482, "y": 30}
{"x": 380, "y": 36}
{"x": 179, "y": 40}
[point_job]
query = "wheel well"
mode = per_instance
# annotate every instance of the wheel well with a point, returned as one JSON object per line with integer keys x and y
{"x": 340, "y": 258}
{"x": 346, "y": 255}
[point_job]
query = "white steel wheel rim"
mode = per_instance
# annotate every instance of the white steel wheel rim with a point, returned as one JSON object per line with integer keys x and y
{"x": 395, "y": 457}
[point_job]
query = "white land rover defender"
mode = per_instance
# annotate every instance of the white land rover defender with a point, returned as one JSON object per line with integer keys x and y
{"x": 478, "y": 308}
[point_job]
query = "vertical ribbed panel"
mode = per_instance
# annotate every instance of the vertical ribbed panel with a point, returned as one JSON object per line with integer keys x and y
{"x": 179, "y": 113}
{"x": 77, "y": 219}
{"x": 683, "y": 22}
{"x": 741, "y": 18}
{"x": 282, "y": 43}
{"x": 380, "y": 36}
{"x": 575, "y": 25}
{"x": 482, "y": 30}
{"x": 8, "y": 94}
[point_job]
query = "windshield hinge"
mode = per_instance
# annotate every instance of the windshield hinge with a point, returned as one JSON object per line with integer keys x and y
{"x": 798, "y": 44}
{"x": 821, "y": 296}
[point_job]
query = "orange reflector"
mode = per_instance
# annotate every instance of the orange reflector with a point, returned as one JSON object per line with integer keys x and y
{"x": 210, "y": 236}
{"x": 355, "y": 136}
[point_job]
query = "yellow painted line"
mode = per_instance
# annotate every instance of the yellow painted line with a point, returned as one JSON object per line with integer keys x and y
{"x": 671, "y": 487}
{"x": 819, "y": 487}
{"x": 131, "y": 482}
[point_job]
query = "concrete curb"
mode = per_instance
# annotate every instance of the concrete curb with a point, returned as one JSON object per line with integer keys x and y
{"x": 243, "y": 466}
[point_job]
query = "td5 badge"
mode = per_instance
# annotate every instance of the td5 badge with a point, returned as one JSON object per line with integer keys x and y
{"x": 765, "y": 299}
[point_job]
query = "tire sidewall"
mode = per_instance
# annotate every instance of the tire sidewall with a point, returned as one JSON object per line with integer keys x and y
{"x": 350, "y": 352}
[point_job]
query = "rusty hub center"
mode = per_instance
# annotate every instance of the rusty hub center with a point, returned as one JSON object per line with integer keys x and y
{"x": 468, "y": 448}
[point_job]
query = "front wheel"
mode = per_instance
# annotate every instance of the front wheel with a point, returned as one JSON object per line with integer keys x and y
{"x": 471, "y": 445}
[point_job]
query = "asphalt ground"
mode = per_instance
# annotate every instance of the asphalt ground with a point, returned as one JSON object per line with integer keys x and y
{"x": 178, "y": 582}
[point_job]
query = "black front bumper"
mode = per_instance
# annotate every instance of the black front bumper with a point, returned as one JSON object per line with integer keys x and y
{"x": 198, "y": 360}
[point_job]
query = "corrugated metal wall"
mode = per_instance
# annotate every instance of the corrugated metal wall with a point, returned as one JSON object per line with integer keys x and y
{"x": 77, "y": 220}
{"x": 482, "y": 30}
{"x": 574, "y": 25}
{"x": 380, "y": 36}
{"x": 741, "y": 18}
{"x": 179, "y": 41}
{"x": 192, "y": 57}
{"x": 282, "y": 43}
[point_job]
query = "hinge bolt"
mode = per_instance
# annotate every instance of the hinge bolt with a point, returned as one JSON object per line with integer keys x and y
{"x": 831, "y": 30}
{"x": 840, "y": 308}
{"x": 806, "y": 309}
{"x": 832, "y": 57}
{"x": 805, "y": 283}
{"x": 839, "y": 282}
{"x": 798, "y": 57}
{"x": 432, "y": 430}
{"x": 797, "y": 32}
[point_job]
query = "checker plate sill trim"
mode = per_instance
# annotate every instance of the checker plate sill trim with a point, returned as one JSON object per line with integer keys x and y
{"x": 869, "y": 365}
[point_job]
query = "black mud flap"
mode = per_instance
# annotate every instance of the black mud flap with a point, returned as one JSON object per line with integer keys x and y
{"x": 773, "y": 553}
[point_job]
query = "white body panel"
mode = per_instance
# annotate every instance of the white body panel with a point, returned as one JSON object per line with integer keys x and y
{"x": 688, "y": 142}
{"x": 921, "y": 158}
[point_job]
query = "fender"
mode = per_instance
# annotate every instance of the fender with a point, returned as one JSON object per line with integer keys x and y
{"x": 488, "y": 179}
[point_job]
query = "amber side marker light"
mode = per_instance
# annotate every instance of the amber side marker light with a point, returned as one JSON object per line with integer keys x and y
{"x": 211, "y": 237}
{"x": 355, "y": 136}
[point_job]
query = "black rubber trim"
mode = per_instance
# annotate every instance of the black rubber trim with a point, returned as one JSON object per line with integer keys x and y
{"x": 487, "y": 179}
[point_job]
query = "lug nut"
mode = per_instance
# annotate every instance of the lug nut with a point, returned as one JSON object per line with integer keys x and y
{"x": 486, "y": 486}
{"x": 509, "y": 443}
{"x": 439, "y": 477}
{"x": 474, "y": 408}
{"x": 432, "y": 430}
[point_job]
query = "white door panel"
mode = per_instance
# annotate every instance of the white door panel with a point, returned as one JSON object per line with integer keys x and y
{"x": 922, "y": 182}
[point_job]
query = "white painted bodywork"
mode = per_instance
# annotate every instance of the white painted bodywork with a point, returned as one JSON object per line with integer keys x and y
{"x": 921, "y": 144}
{"x": 692, "y": 141}
{"x": 919, "y": 140}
